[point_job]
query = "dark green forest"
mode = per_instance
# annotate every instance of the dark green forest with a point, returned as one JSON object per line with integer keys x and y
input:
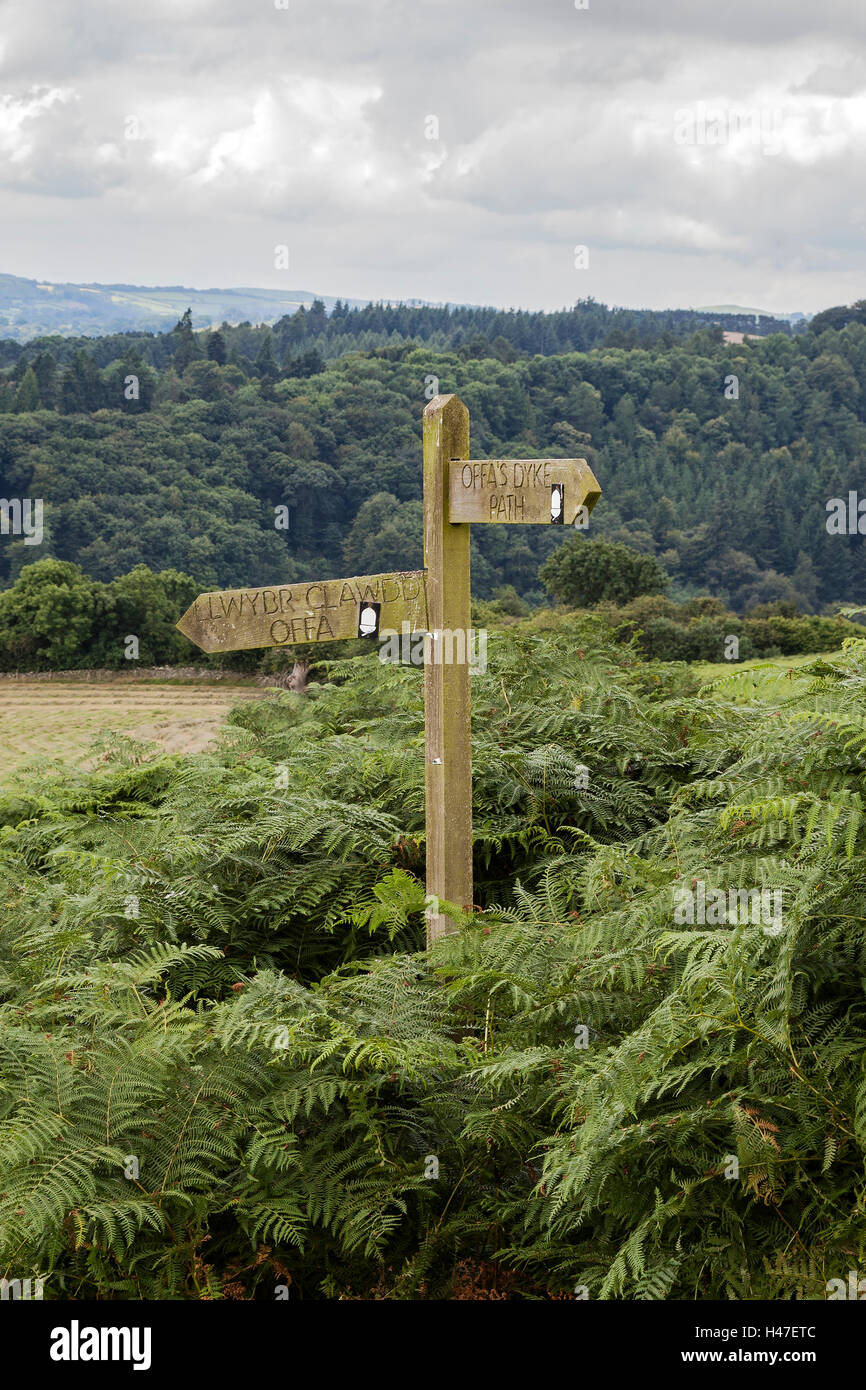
{"x": 175, "y": 451}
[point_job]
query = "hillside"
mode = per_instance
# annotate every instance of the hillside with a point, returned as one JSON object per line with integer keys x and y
{"x": 31, "y": 308}
{"x": 719, "y": 460}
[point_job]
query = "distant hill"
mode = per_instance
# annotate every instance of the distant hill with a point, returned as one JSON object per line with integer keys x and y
{"x": 735, "y": 309}
{"x": 743, "y": 309}
{"x": 30, "y": 308}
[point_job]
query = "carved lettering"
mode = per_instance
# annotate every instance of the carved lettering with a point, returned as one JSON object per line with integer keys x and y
{"x": 508, "y": 506}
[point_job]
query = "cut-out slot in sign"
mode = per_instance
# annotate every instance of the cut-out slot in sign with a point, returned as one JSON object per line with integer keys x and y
{"x": 368, "y": 619}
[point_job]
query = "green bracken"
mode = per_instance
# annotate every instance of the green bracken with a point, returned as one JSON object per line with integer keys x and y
{"x": 227, "y": 1065}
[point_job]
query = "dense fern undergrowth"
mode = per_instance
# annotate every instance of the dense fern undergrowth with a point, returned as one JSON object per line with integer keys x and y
{"x": 228, "y": 1069}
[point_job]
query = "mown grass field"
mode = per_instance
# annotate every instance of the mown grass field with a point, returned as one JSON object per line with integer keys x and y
{"x": 67, "y": 719}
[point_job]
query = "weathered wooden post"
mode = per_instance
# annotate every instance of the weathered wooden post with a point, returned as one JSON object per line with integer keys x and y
{"x": 448, "y": 779}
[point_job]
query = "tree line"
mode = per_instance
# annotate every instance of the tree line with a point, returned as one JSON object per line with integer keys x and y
{"x": 54, "y": 617}
{"x": 474, "y": 331}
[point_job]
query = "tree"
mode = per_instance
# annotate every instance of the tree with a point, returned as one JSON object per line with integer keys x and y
{"x": 476, "y": 346}
{"x": 771, "y": 527}
{"x": 45, "y": 368}
{"x": 838, "y": 317}
{"x": 834, "y": 375}
{"x": 185, "y": 350}
{"x": 664, "y": 522}
{"x": 582, "y": 573}
{"x": 501, "y": 348}
{"x": 202, "y": 381}
{"x": 292, "y": 330}
{"x": 265, "y": 362}
{"x": 308, "y": 363}
{"x": 385, "y": 535}
{"x": 216, "y": 348}
{"x": 129, "y": 385}
{"x": 81, "y": 387}
{"x": 27, "y": 395}
{"x": 317, "y": 318}
{"x": 49, "y": 616}
{"x": 148, "y": 605}
{"x": 747, "y": 478}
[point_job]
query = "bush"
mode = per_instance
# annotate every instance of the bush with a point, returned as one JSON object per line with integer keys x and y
{"x": 55, "y": 618}
{"x": 582, "y": 573}
{"x": 697, "y": 630}
{"x": 802, "y": 634}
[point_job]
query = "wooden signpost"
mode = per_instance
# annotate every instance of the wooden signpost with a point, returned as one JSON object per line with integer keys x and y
{"x": 457, "y": 490}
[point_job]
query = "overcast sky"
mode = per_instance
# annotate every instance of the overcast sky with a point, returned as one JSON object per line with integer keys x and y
{"x": 703, "y": 153}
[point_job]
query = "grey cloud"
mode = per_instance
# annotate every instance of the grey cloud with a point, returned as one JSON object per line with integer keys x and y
{"x": 306, "y": 126}
{"x": 844, "y": 79}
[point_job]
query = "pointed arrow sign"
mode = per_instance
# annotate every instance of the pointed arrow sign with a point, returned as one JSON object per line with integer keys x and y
{"x": 557, "y": 491}
{"x": 322, "y": 611}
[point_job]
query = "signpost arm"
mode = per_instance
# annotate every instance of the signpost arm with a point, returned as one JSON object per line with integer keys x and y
{"x": 448, "y": 782}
